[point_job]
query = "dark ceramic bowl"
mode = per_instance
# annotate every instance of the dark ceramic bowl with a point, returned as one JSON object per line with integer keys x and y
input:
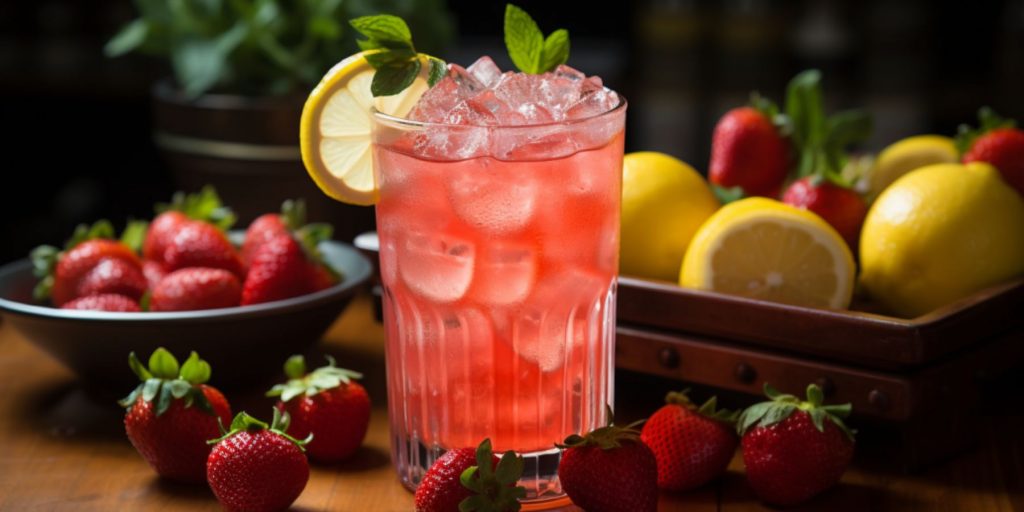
{"x": 246, "y": 345}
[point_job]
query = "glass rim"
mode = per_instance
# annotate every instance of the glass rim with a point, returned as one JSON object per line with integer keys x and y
{"x": 409, "y": 123}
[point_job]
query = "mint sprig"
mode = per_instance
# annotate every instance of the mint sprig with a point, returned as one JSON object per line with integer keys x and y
{"x": 530, "y": 51}
{"x": 394, "y": 57}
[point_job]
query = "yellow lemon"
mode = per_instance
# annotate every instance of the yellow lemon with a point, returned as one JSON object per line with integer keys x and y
{"x": 764, "y": 249}
{"x": 939, "y": 234}
{"x": 908, "y": 154}
{"x": 664, "y": 201}
{"x": 334, "y": 133}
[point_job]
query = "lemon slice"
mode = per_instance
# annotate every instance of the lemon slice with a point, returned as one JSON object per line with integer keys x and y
{"x": 763, "y": 249}
{"x": 334, "y": 133}
{"x": 908, "y": 154}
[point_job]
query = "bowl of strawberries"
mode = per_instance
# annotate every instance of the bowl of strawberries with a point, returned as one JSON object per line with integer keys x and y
{"x": 245, "y": 299}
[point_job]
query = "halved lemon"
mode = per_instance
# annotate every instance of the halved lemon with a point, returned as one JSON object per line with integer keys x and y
{"x": 334, "y": 133}
{"x": 764, "y": 249}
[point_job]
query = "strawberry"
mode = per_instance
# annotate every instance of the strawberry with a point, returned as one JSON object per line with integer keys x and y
{"x": 292, "y": 220}
{"x": 199, "y": 244}
{"x": 997, "y": 141}
{"x": 467, "y": 479}
{"x": 840, "y": 206}
{"x": 287, "y": 266}
{"x": 104, "y": 302}
{"x": 609, "y": 470}
{"x": 202, "y": 206}
{"x": 91, "y": 263}
{"x": 692, "y": 446}
{"x": 794, "y": 449}
{"x": 749, "y": 151}
{"x": 173, "y": 413}
{"x": 196, "y": 288}
{"x": 154, "y": 272}
{"x": 326, "y": 403}
{"x": 256, "y": 467}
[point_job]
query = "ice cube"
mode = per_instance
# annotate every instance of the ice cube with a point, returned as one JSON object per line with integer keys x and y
{"x": 560, "y": 315}
{"x": 470, "y": 112}
{"x": 539, "y": 143}
{"x": 457, "y": 86}
{"x": 494, "y": 197}
{"x": 457, "y": 142}
{"x": 485, "y": 71}
{"x": 436, "y": 265}
{"x": 519, "y": 88}
{"x": 505, "y": 273}
{"x": 535, "y": 113}
{"x": 596, "y": 102}
{"x": 569, "y": 73}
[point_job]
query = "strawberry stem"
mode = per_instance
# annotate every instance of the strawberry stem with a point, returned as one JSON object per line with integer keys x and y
{"x": 782, "y": 406}
{"x": 494, "y": 487}
{"x": 164, "y": 381}
{"x": 319, "y": 380}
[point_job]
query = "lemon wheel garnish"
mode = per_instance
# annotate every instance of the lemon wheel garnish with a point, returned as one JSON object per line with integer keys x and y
{"x": 334, "y": 133}
{"x": 763, "y": 249}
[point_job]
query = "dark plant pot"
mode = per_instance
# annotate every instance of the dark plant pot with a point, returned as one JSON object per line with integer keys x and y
{"x": 247, "y": 147}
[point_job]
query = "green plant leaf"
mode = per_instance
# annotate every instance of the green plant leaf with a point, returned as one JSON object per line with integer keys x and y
{"x": 138, "y": 368}
{"x": 134, "y": 234}
{"x": 150, "y": 389}
{"x": 295, "y": 367}
{"x": 129, "y": 38}
{"x": 195, "y": 370}
{"x": 556, "y": 50}
{"x": 163, "y": 365}
{"x": 727, "y": 195}
{"x": 179, "y": 388}
{"x": 510, "y": 468}
{"x": 438, "y": 69}
{"x": 384, "y": 28}
{"x": 163, "y": 401}
{"x": 804, "y": 108}
{"x": 394, "y": 78}
{"x": 523, "y": 39}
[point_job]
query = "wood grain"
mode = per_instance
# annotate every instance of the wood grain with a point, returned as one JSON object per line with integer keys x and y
{"x": 62, "y": 448}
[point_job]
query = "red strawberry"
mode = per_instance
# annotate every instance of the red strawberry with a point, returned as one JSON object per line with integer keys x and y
{"x": 292, "y": 220}
{"x": 161, "y": 232}
{"x": 794, "y": 450}
{"x": 196, "y": 288}
{"x": 474, "y": 477}
{"x": 172, "y": 414}
{"x": 154, "y": 272}
{"x": 202, "y": 206}
{"x": 998, "y": 142}
{"x": 261, "y": 230}
{"x": 326, "y": 403}
{"x": 692, "y": 446}
{"x": 279, "y": 270}
{"x": 199, "y": 244}
{"x": 257, "y": 467}
{"x": 91, "y": 263}
{"x": 747, "y": 151}
{"x": 609, "y": 470}
{"x": 841, "y": 207}
{"x": 104, "y": 302}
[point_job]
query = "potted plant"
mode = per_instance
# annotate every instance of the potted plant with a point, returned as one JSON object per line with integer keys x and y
{"x": 228, "y": 115}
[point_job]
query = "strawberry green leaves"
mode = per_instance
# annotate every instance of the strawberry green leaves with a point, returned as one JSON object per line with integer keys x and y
{"x": 782, "y": 406}
{"x": 821, "y": 140}
{"x": 164, "y": 380}
{"x": 243, "y": 422}
{"x": 529, "y": 50}
{"x": 493, "y": 486}
{"x": 394, "y": 56}
{"x": 300, "y": 383}
{"x": 988, "y": 120}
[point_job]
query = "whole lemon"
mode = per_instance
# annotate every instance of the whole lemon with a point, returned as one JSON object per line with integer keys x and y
{"x": 941, "y": 233}
{"x": 664, "y": 201}
{"x": 909, "y": 154}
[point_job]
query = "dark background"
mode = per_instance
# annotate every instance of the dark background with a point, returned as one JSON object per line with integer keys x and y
{"x": 77, "y": 141}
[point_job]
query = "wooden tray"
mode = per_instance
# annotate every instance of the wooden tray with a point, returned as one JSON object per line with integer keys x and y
{"x": 865, "y": 339}
{"x": 899, "y": 373}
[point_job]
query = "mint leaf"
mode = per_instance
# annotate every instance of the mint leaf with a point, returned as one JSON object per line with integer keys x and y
{"x": 524, "y": 40}
{"x": 528, "y": 48}
{"x": 437, "y": 71}
{"x": 556, "y": 50}
{"x": 804, "y": 108}
{"x": 393, "y": 78}
{"x": 385, "y": 30}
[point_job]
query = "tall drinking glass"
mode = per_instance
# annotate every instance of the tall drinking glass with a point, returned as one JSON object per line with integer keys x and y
{"x": 498, "y": 257}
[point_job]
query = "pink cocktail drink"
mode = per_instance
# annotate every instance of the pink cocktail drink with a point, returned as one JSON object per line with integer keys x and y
{"x": 499, "y": 255}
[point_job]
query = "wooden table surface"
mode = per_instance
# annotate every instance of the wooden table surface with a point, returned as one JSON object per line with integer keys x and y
{"x": 61, "y": 449}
